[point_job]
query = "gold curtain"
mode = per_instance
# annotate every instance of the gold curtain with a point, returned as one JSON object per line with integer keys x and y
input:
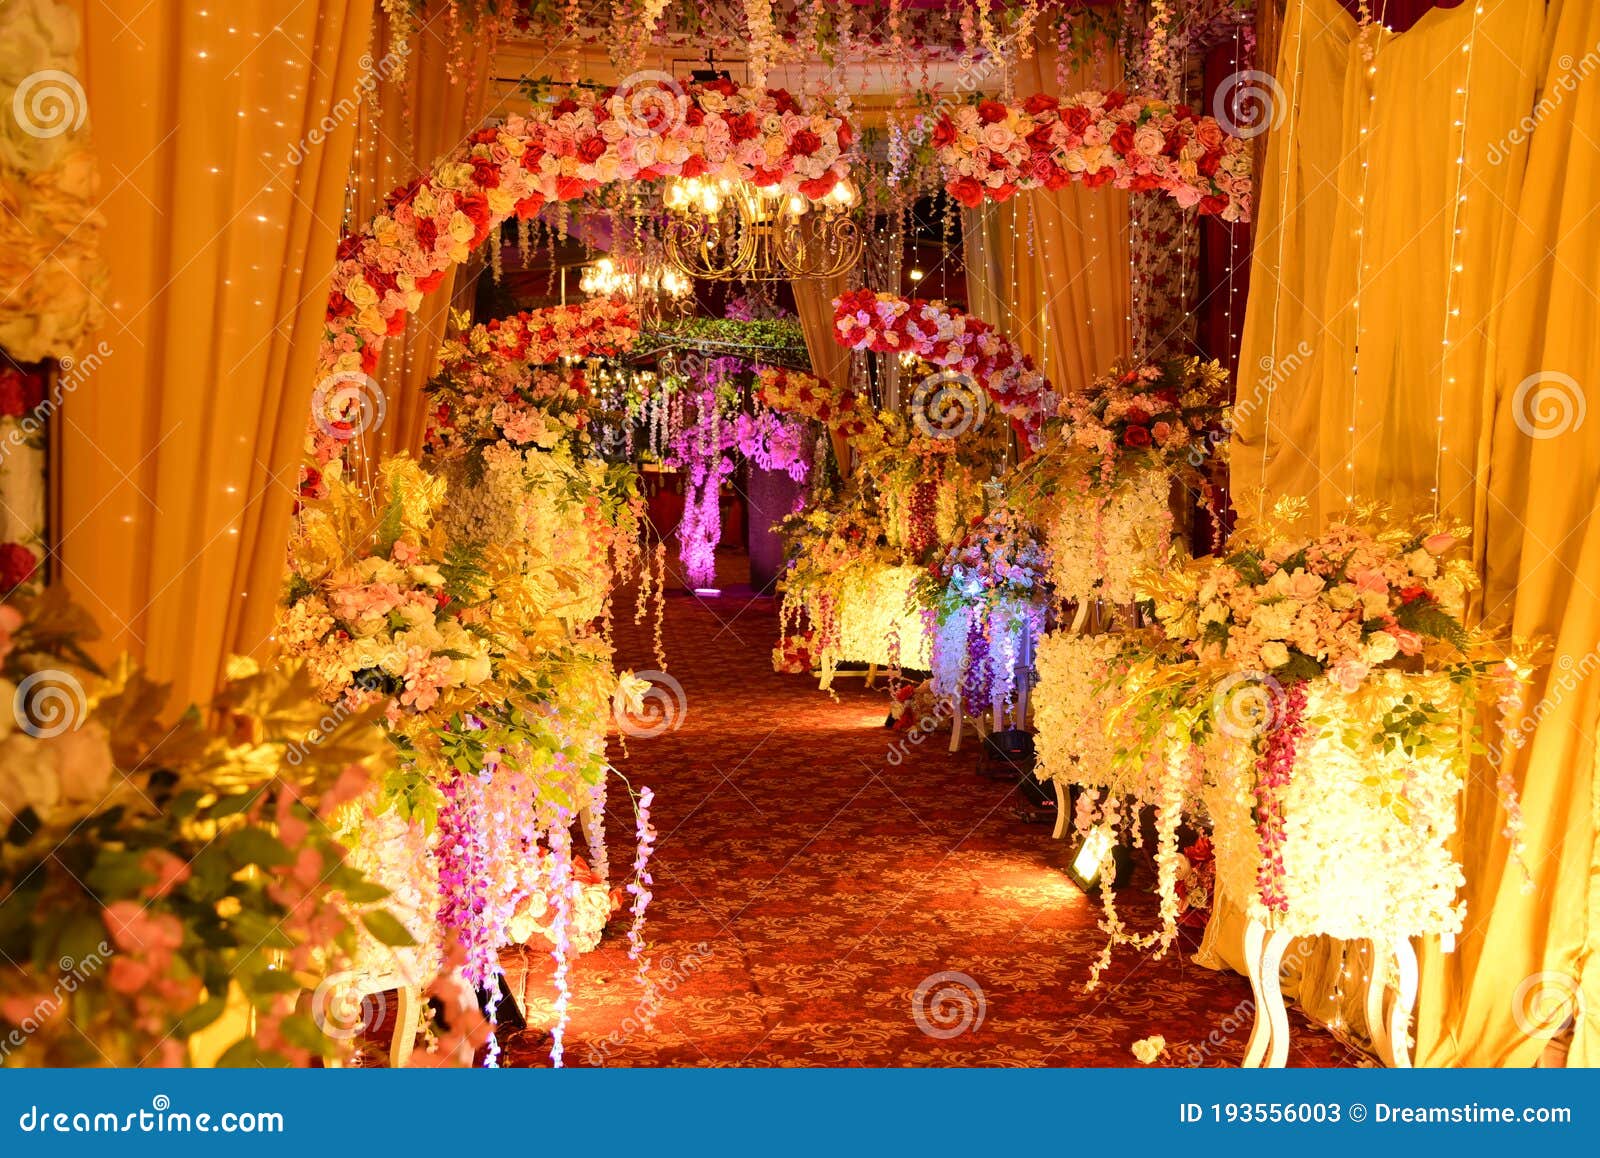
{"x": 813, "y": 303}
{"x": 1461, "y": 280}
{"x": 179, "y": 454}
{"x": 417, "y": 117}
{"x": 1066, "y": 252}
{"x": 1542, "y": 580}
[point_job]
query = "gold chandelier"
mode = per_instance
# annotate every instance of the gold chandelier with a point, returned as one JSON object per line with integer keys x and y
{"x": 719, "y": 230}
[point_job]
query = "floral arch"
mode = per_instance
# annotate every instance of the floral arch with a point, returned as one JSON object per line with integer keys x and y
{"x": 952, "y": 340}
{"x": 651, "y": 130}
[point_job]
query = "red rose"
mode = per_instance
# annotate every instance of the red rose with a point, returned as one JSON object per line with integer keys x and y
{"x": 1407, "y": 594}
{"x": 396, "y": 324}
{"x": 429, "y": 282}
{"x": 1136, "y": 436}
{"x": 723, "y": 85}
{"x": 1122, "y": 139}
{"x": 1040, "y": 102}
{"x": 1002, "y": 192}
{"x": 967, "y": 191}
{"x": 592, "y": 149}
{"x": 349, "y": 246}
{"x": 19, "y": 392}
{"x": 564, "y": 106}
{"x": 804, "y": 143}
{"x": 992, "y": 112}
{"x": 845, "y": 135}
{"x": 693, "y": 165}
{"x": 819, "y": 187}
{"x": 1115, "y": 98}
{"x": 766, "y": 177}
{"x": 1138, "y": 416}
{"x": 485, "y": 172}
{"x": 1208, "y": 164}
{"x": 1099, "y": 177}
{"x": 1079, "y": 119}
{"x": 743, "y": 127}
{"x": 570, "y": 188}
{"x": 17, "y": 566}
{"x": 695, "y": 116}
{"x": 944, "y": 133}
{"x": 1211, "y": 205}
{"x": 785, "y": 102}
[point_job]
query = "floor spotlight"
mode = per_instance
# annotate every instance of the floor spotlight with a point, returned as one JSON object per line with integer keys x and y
{"x": 1090, "y": 855}
{"x": 707, "y": 592}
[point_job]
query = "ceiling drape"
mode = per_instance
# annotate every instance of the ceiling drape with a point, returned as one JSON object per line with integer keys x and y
{"x": 224, "y": 154}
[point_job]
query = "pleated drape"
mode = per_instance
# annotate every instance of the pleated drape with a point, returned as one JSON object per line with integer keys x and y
{"x": 1063, "y": 256}
{"x": 813, "y": 304}
{"x": 1422, "y": 318}
{"x": 421, "y": 115}
{"x": 224, "y": 135}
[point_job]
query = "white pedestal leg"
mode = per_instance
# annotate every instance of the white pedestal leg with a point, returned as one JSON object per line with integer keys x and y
{"x": 1063, "y": 810}
{"x": 1255, "y": 936}
{"x": 1377, "y": 990}
{"x": 408, "y": 1010}
{"x": 1272, "y": 994}
{"x": 1269, "y": 1037}
{"x": 1405, "y": 1001}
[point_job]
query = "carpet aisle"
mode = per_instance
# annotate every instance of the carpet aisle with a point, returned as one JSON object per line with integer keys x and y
{"x": 806, "y": 884}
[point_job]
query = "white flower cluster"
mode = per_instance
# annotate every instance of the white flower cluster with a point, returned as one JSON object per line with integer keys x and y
{"x": 1099, "y": 542}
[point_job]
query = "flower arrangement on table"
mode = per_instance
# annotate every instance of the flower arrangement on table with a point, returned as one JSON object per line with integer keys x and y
{"x": 928, "y": 488}
{"x": 1101, "y": 486}
{"x": 990, "y": 150}
{"x": 947, "y": 338}
{"x": 986, "y": 609}
{"x": 159, "y": 876}
{"x": 559, "y": 151}
{"x": 497, "y": 707}
{"x": 1326, "y": 714}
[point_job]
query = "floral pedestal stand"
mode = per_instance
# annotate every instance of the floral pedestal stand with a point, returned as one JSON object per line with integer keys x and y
{"x": 1268, "y": 1046}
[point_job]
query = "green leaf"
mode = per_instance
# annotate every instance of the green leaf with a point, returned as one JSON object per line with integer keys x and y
{"x": 242, "y": 1054}
{"x": 257, "y": 846}
{"x": 235, "y": 804}
{"x": 386, "y": 927}
{"x": 202, "y": 1015}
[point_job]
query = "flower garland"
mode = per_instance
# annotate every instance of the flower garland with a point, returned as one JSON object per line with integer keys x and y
{"x": 558, "y": 152}
{"x": 795, "y": 392}
{"x": 598, "y": 326}
{"x": 701, "y": 451}
{"x": 1274, "y": 770}
{"x": 945, "y": 337}
{"x": 990, "y": 150}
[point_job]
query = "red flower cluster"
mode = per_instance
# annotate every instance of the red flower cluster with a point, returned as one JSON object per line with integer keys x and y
{"x": 795, "y": 392}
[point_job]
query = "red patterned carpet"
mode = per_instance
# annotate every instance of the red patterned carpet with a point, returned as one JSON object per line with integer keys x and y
{"x": 806, "y": 886}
